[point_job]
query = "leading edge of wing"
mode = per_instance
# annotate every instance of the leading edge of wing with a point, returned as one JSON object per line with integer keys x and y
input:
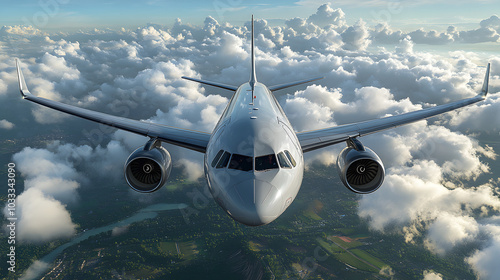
{"x": 190, "y": 139}
{"x": 316, "y": 139}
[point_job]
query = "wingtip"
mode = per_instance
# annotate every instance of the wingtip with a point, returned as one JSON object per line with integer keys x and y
{"x": 23, "y": 88}
{"x": 484, "y": 90}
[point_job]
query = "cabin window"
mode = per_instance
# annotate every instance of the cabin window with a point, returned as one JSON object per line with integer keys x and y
{"x": 216, "y": 158}
{"x": 290, "y": 157}
{"x": 224, "y": 160}
{"x": 266, "y": 162}
{"x": 283, "y": 161}
{"x": 240, "y": 162}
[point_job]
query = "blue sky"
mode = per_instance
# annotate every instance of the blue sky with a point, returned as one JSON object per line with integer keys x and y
{"x": 50, "y": 15}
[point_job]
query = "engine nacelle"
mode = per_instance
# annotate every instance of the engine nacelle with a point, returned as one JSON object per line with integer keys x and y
{"x": 147, "y": 168}
{"x": 360, "y": 169}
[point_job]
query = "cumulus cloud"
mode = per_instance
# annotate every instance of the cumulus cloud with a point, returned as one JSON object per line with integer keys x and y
{"x": 491, "y": 22}
{"x": 20, "y": 30}
{"x": 447, "y": 231}
{"x": 41, "y": 218}
{"x": 119, "y": 230}
{"x": 487, "y": 32}
{"x": 326, "y": 15}
{"x": 53, "y": 177}
{"x": 431, "y": 275}
{"x": 405, "y": 45}
{"x": 5, "y": 124}
{"x": 485, "y": 261}
{"x": 356, "y": 37}
{"x": 34, "y": 270}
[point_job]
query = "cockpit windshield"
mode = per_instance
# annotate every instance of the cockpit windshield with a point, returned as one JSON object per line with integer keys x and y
{"x": 245, "y": 163}
{"x": 265, "y": 162}
{"x": 241, "y": 162}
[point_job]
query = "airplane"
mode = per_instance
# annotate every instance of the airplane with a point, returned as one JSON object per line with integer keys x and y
{"x": 253, "y": 159}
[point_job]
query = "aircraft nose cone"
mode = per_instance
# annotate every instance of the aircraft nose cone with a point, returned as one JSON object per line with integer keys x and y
{"x": 255, "y": 202}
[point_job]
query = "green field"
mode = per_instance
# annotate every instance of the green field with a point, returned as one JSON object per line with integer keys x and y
{"x": 188, "y": 249}
{"x": 168, "y": 248}
{"x": 349, "y": 259}
{"x": 344, "y": 244}
{"x": 369, "y": 258}
{"x": 346, "y": 257}
{"x": 312, "y": 215}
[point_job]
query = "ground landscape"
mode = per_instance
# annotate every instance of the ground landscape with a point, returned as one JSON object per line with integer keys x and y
{"x": 319, "y": 237}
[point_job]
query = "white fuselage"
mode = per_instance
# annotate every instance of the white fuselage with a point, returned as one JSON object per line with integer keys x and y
{"x": 254, "y": 163}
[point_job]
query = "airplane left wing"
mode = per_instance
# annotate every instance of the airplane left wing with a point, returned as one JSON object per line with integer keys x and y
{"x": 316, "y": 139}
{"x": 190, "y": 139}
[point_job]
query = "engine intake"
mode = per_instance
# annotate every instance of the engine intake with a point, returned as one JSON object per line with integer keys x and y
{"x": 360, "y": 169}
{"x": 147, "y": 168}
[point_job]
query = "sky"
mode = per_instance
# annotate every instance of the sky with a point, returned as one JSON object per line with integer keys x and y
{"x": 64, "y": 15}
{"x": 440, "y": 191}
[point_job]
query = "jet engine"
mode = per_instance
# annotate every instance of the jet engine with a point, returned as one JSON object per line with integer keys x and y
{"x": 360, "y": 168}
{"x": 147, "y": 168}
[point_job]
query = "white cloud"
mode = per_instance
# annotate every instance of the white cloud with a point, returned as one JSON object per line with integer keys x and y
{"x": 356, "y": 37}
{"x": 485, "y": 261}
{"x": 447, "y": 231}
{"x": 5, "y": 124}
{"x": 431, "y": 275}
{"x": 325, "y": 15}
{"x": 20, "y": 30}
{"x": 405, "y": 45}
{"x": 119, "y": 230}
{"x": 41, "y": 218}
{"x": 34, "y": 270}
{"x": 492, "y": 22}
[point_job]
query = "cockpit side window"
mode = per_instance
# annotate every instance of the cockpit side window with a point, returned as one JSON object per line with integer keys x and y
{"x": 224, "y": 160}
{"x": 240, "y": 162}
{"x": 290, "y": 157}
{"x": 283, "y": 161}
{"x": 266, "y": 162}
{"x": 216, "y": 158}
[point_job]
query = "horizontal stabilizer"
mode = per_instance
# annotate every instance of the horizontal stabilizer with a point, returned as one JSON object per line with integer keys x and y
{"x": 228, "y": 87}
{"x": 283, "y": 86}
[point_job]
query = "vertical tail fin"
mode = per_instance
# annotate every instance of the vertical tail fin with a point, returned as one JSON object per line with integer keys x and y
{"x": 253, "y": 77}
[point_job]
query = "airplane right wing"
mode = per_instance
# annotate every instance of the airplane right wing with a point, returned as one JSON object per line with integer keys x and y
{"x": 190, "y": 139}
{"x": 316, "y": 139}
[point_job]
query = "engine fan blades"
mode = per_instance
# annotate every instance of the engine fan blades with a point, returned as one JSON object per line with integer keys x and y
{"x": 362, "y": 172}
{"x": 146, "y": 171}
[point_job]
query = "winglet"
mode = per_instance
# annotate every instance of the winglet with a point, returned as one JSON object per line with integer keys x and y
{"x": 22, "y": 84}
{"x": 484, "y": 90}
